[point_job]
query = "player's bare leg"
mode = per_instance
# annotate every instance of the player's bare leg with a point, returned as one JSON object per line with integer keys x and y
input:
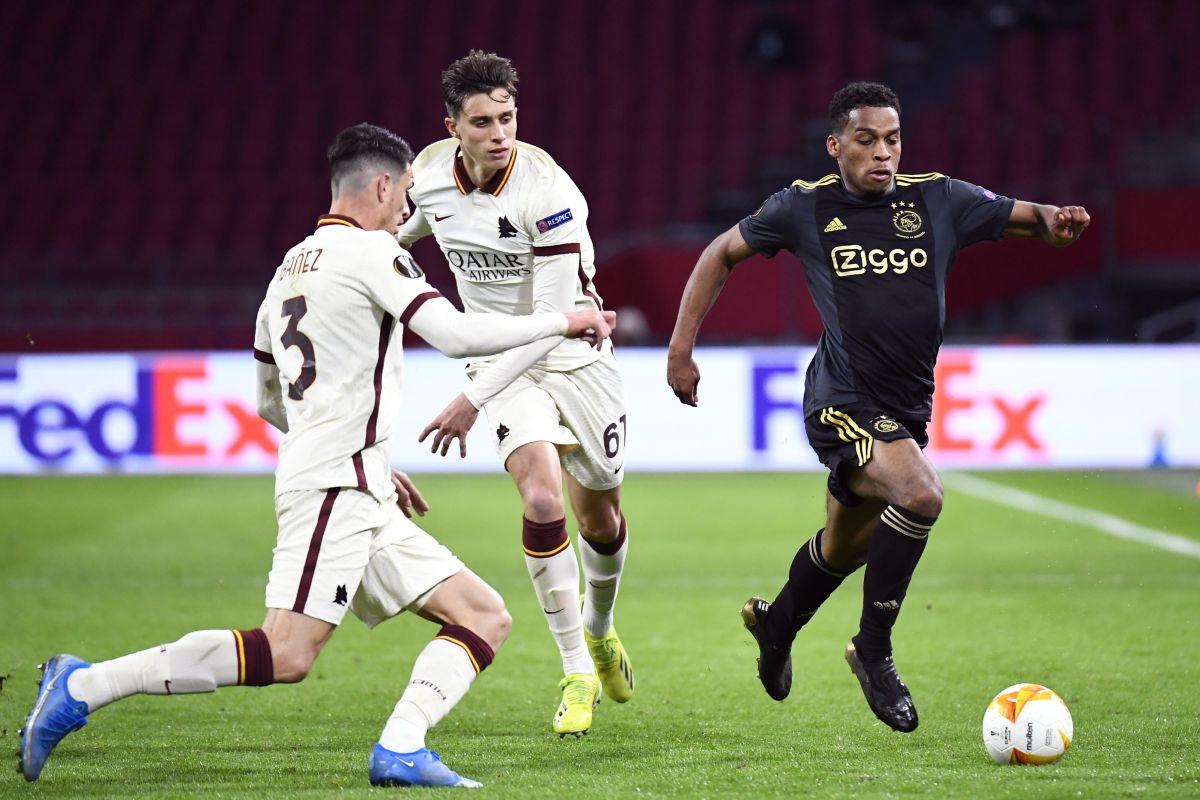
{"x": 900, "y": 475}
{"x": 536, "y": 470}
{"x": 295, "y": 640}
{"x": 475, "y": 624}
{"x": 603, "y": 544}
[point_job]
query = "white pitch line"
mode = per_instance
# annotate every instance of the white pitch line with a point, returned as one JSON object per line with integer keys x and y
{"x": 1105, "y": 523}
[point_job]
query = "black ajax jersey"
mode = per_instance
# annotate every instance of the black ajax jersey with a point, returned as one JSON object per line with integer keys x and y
{"x": 877, "y": 270}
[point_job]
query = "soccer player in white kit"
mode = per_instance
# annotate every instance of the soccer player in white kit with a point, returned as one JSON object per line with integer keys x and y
{"x": 328, "y": 343}
{"x": 513, "y": 227}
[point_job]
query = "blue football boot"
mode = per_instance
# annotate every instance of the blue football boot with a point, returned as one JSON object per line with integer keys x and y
{"x": 422, "y": 768}
{"x": 55, "y": 714}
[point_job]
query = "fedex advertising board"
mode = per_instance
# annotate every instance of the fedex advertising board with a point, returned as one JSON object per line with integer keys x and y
{"x": 995, "y": 407}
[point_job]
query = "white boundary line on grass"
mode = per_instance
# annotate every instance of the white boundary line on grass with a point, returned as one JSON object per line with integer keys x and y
{"x": 1105, "y": 523}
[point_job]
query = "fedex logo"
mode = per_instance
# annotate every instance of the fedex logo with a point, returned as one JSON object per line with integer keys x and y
{"x": 976, "y": 414}
{"x": 60, "y": 412}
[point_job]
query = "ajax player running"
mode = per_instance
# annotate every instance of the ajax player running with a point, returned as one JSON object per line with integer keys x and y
{"x": 876, "y": 247}
{"x": 513, "y": 227}
{"x": 328, "y": 343}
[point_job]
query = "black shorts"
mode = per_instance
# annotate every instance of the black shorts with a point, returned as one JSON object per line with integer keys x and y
{"x": 844, "y": 437}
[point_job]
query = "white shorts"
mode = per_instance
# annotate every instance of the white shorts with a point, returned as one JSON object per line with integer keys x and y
{"x": 581, "y": 411}
{"x": 342, "y": 549}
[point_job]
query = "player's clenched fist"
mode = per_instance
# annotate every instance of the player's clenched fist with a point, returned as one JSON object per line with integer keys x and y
{"x": 591, "y": 326}
{"x": 1067, "y": 224}
{"x": 683, "y": 376}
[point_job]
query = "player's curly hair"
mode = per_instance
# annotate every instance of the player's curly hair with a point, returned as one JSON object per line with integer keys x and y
{"x": 859, "y": 94}
{"x": 365, "y": 145}
{"x": 476, "y": 73}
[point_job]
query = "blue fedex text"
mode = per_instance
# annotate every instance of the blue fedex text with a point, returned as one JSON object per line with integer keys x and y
{"x": 47, "y": 429}
{"x": 769, "y": 401}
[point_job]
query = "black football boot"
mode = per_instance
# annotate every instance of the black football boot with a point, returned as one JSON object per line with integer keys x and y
{"x": 774, "y": 663}
{"x": 886, "y": 694}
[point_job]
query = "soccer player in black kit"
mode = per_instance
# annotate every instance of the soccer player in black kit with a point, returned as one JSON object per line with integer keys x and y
{"x": 876, "y": 247}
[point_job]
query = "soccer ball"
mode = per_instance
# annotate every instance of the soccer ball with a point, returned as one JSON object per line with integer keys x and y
{"x": 1027, "y": 724}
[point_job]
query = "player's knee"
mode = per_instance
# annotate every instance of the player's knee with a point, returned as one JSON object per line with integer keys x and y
{"x": 499, "y": 625}
{"x": 601, "y": 524}
{"x": 543, "y": 504}
{"x": 925, "y": 498}
{"x": 292, "y": 664}
{"x": 490, "y": 621}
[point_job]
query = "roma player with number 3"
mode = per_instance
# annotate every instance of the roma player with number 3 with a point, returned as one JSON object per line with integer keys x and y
{"x": 328, "y": 343}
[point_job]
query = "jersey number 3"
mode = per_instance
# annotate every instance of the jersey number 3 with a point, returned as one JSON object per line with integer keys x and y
{"x": 294, "y": 309}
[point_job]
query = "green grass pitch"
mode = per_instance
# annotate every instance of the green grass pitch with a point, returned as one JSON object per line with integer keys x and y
{"x": 103, "y": 566}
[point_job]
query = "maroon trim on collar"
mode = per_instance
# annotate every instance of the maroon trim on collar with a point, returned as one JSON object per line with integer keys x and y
{"x": 337, "y": 219}
{"x": 494, "y": 184}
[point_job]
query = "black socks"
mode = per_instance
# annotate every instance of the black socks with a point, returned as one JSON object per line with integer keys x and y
{"x": 810, "y": 581}
{"x": 896, "y": 546}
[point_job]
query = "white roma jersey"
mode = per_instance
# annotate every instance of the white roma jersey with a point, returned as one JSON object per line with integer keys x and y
{"x": 490, "y": 235}
{"x": 332, "y": 322}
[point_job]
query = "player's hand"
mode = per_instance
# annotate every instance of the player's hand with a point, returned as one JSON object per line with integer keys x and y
{"x": 1067, "y": 224}
{"x": 683, "y": 376}
{"x": 407, "y": 496}
{"x": 454, "y": 422}
{"x": 591, "y": 326}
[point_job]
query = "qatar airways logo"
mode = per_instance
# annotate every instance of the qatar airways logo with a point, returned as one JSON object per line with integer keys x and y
{"x": 487, "y": 266}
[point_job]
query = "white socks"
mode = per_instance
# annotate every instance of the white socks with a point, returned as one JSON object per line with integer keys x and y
{"x": 199, "y": 662}
{"x": 602, "y": 565}
{"x": 555, "y": 575}
{"x": 440, "y": 678}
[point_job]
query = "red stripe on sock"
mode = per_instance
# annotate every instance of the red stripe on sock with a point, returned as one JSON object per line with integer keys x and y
{"x": 609, "y": 548}
{"x": 260, "y": 670}
{"x": 544, "y": 539}
{"x": 481, "y": 652}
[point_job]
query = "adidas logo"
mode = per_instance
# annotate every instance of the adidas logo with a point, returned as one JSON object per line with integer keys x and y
{"x": 888, "y": 605}
{"x": 835, "y": 224}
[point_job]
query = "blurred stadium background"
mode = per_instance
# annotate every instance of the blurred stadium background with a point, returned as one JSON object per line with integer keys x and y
{"x": 159, "y": 158}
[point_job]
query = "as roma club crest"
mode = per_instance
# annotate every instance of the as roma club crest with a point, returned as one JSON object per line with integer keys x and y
{"x": 907, "y": 220}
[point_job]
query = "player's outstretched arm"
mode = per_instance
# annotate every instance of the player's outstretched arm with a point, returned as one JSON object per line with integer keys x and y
{"x": 707, "y": 279}
{"x": 459, "y": 335}
{"x": 270, "y": 395}
{"x": 1054, "y": 225}
{"x": 554, "y": 282}
{"x": 456, "y": 419}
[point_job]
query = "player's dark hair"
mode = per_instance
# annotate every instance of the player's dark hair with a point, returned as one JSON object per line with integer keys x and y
{"x": 476, "y": 73}
{"x": 366, "y": 145}
{"x": 859, "y": 94}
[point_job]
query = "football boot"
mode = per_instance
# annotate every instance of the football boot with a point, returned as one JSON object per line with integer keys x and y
{"x": 886, "y": 694}
{"x": 774, "y": 663}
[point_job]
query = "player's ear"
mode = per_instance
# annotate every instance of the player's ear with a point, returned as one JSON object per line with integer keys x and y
{"x": 833, "y": 146}
{"x": 383, "y": 185}
{"x": 451, "y": 126}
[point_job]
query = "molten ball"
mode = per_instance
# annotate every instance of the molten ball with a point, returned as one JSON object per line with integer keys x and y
{"x": 1027, "y": 724}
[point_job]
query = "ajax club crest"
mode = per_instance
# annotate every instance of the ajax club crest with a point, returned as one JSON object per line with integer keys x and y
{"x": 884, "y": 424}
{"x": 907, "y": 220}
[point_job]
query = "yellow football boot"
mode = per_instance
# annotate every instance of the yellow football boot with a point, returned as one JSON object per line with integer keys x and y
{"x": 581, "y": 694}
{"x": 612, "y": 664}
